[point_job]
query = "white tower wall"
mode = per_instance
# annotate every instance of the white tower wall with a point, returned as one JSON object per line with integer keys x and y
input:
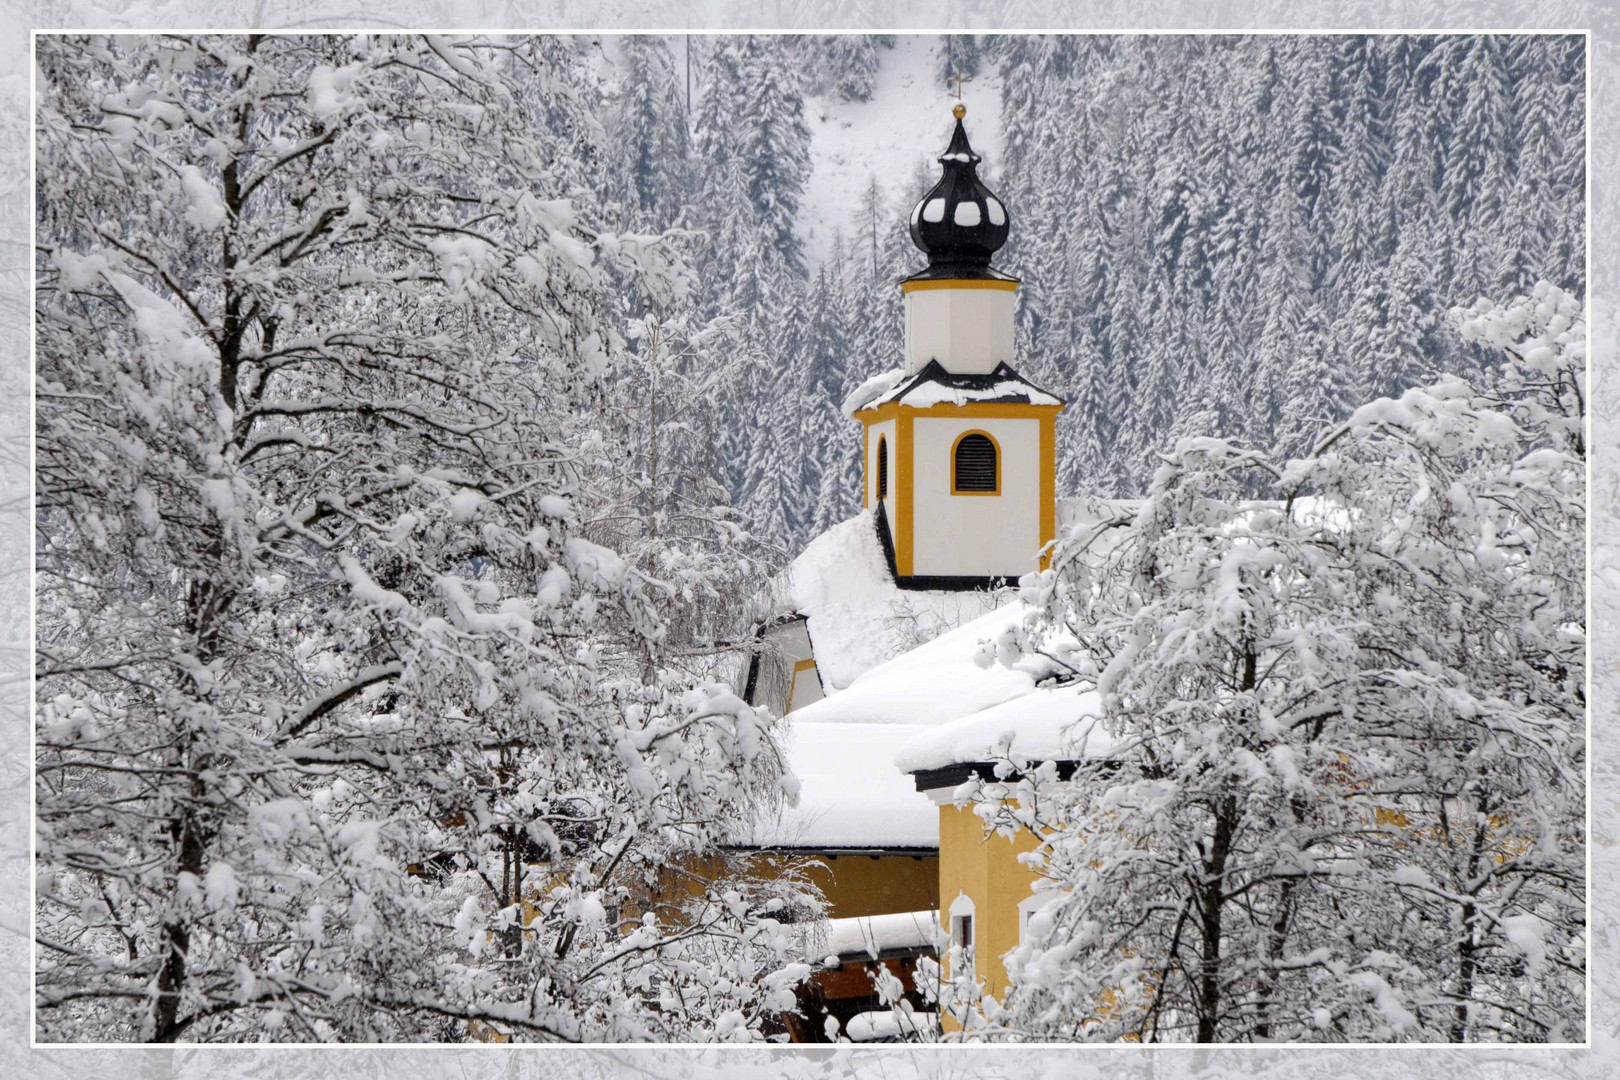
{"x": 968, "y": 328}
{"x": 976, "y": 535}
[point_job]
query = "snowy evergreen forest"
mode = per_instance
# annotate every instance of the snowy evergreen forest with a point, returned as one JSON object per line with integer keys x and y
{"x": 1217, "y": 235}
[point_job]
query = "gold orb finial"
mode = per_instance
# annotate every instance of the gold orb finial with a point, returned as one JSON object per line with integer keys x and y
{"x": 959, "y": 112}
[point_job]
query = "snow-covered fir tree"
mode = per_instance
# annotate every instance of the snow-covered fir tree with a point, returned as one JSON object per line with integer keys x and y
{"x": 651, "y": 135}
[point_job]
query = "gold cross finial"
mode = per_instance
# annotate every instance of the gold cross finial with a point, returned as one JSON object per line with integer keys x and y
{"x": 959, "y": 78}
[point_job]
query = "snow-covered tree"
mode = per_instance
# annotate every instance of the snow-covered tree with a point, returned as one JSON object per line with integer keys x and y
{"x": 958, "y": 54}
{"x": 663, "y": 503}
{"x": 1344, "y": 792}
{"x": 1234, "y": 190}
{"x": 651, "y": 138}
{"x": 332, "y": 743}
{"x": 847, "y": 64}
{"x": 773, "y": 143}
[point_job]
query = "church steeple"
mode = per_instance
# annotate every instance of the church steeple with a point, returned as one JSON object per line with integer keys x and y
{"x": 959, "y": 309}
{"x": 960, "y": 223}
{"x": 960, "y": 449}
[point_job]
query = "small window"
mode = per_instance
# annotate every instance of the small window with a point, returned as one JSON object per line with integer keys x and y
{"x": 962, "y": 928}
{"x": 975, "y": 465}
{"x": 883, "y": 468}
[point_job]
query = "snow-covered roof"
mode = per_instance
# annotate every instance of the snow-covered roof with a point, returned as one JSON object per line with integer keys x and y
{"x": 877, "y": 1025}
{"x": 850, "y": 793}
{"x": 873, "y": 935}
{"x": 933, "y": 683}
{"x": 961, "y": 702}
{"x": 895, "y": 706}
{"x": 933, "y": 385}
{"x": 856, "y": 615}
{"x": 1048, "y": 724}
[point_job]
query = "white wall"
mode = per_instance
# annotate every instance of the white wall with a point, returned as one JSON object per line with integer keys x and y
{"x": 806, "y": 688}
{"x": 777, "y": 688}
{"x": 966, "y": 330}
{"x": 976, "y": 535}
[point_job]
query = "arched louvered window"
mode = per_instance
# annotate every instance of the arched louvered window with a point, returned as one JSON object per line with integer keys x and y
{"x": 975, "y": 465}
{"x": 883, "y": 468}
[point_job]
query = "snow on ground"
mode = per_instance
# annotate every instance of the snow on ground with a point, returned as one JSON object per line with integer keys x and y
{"x": 907, "y": 122}
{"x": 850, "y": 793}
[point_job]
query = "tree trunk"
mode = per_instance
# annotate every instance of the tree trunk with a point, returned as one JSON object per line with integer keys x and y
{"x": 1467, "y": 947}
{"x": 1211, "y": 904}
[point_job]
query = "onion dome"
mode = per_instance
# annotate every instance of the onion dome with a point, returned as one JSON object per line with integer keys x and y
{"x": 959, "y": 224}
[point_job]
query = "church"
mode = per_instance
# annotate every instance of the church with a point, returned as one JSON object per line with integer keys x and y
{"x": 873, "y": 644}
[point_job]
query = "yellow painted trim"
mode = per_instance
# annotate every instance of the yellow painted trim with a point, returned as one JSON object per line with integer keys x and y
{"x": 904, "y": 495}
{"x": 793, "y": 683}
{"x": 957, "y": 442}
{"x": 1012, "y": 409}
{"x": 958, "y": 283}
{"x": 1048, "y": 486}
{"x": 866, "y": 472}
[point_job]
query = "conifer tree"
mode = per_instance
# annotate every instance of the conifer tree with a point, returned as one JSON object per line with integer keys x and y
{"x": 651, "y": 137}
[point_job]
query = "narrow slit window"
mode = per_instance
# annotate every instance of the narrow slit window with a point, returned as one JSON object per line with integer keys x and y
{"x": 975, "y": 466}
{"x": 883, "y": 468}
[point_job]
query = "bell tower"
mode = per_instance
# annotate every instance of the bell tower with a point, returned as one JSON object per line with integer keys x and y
{"x": 960, "y": 449}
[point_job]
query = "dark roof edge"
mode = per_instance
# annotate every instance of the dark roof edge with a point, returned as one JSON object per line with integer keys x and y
{"x": 960, "y": 272}
{"x": 934, "y": 372}
{"x": 955, "y": 775}
{"x": 871, "y": 850}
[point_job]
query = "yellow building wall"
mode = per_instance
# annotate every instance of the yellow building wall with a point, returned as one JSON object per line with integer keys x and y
{"x": 851, "y": 885}
{"x": 988, "y": 871}
{"x": 876, "y": 885}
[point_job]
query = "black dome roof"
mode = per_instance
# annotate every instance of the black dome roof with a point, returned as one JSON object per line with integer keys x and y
{"x": 959, "y": 224}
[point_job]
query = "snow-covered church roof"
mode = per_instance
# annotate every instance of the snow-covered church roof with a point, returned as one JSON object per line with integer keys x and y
{"x": 911, "y": 688}
{"x": 851, "y": 796}
{"x": 933, "y": 683}
{"x": 933, "y": 385}
{"x": 961, "y": 705}
{"x": 857, "y": 617}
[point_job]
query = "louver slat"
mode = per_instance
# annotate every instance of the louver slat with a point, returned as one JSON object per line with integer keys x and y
{"x": 975, "y": 464}
{"x": 883, "y": 469}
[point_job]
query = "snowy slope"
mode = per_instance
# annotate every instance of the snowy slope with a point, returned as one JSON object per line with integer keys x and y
{"x": 906, "y": 123}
